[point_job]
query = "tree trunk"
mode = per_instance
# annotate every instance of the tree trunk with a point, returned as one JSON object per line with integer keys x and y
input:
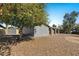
{"x": 6, "y": 29}
{"x": 21, "y": 33}
{"x": 6, "y": 26}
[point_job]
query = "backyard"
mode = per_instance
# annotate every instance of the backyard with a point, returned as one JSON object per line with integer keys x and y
{"x": 35, "y": 29}
{"x": 54, "y": 45}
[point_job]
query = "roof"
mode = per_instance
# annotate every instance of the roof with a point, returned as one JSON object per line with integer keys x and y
{"x": 2, "y": 26}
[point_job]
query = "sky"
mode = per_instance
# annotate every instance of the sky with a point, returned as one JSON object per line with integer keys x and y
{"x": 56, "y": 11}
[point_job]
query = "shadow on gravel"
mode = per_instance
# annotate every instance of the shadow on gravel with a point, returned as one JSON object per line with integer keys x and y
{"x": 26, "y": 38}
{"x": 7, "y": 42}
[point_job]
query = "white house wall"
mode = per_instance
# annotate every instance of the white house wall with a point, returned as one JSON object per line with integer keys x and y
{"x": 11, "y": 31}
{"x": 40, "y": 31}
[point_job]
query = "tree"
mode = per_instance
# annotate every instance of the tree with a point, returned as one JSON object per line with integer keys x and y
{"x": 0, "y": 13}
{"x": 69, "y": 21}
{"x": 6, "y": 15}
{"x": 21, "y": 15}
{"x": 60, "y": 28}
{"x": 77, "y": 27}
{"x": 54, "y": 28}
{"x": 32, "y": 14}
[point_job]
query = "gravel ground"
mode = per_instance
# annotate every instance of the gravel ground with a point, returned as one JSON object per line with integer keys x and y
{"x": 55, "y": 45}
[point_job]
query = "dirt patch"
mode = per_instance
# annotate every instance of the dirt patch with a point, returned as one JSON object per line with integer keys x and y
{"x": 55, "y": 45}
{"x": 73, "y": 39}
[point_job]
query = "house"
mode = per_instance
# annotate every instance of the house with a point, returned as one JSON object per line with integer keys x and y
{"x": 2, "y": 31}
{"x": 9, "y": 30}
{"x": 28, "y": 31}
{"x": 38, "y": 31}
{"x": 41, "y": 31}
{"x": 12, "y": 31}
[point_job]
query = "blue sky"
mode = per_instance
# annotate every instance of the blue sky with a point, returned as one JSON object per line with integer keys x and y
{"x": 56, "y": 11}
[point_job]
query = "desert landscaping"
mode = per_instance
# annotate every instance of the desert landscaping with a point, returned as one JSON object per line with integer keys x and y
{"x": 44, "y": 29}
{"x": 54, "y": 45}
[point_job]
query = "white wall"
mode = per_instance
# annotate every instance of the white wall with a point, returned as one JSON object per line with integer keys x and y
{"x": 12, "y": 31}
{"x": 40, "y": 31}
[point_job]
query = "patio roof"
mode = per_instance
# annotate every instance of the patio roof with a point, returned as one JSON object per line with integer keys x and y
{"x": 2, "y": 26}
